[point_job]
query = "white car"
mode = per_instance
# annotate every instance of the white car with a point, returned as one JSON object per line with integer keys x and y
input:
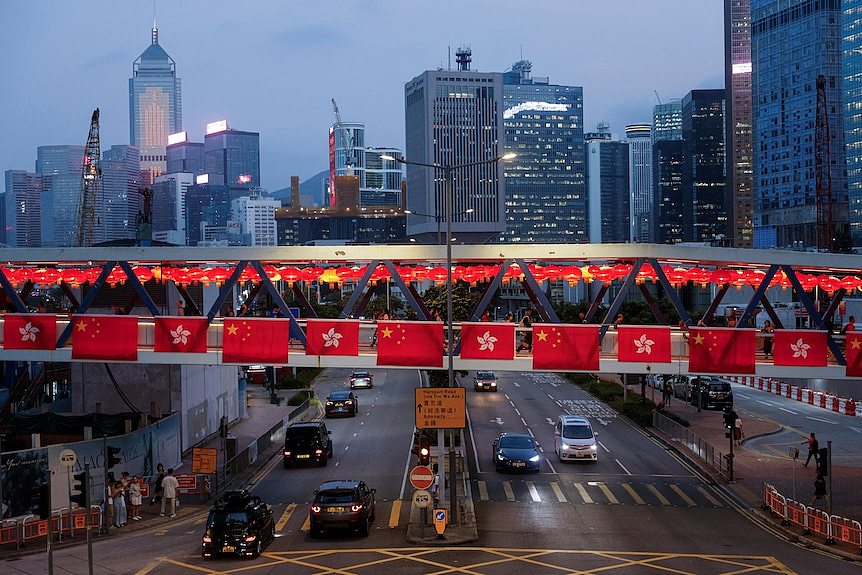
{"x": 574, "y": 439}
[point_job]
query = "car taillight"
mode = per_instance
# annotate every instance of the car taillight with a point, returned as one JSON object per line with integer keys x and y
{"x": 250, "y": 538}
{"x": 287, "y": 454}
{"x": 315, "y": 508}
{"x": 356, "y": 508}
{"x": 208, "y": 539}
{"x": 318, "y": 451}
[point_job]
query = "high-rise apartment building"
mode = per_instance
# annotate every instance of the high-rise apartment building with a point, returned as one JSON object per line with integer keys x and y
{"x": 639, "y": 139}
{"x": 22, "y": 226}
{"x": 169, "y": 207}
{"x": 256, "y": 216}
{"x": 607, "y": 167}
{"x": 792, "y": 43}
{"x": 738, "y": 119}
{"x": 852, "y": 48}
{"x": 120, "y": 203}
{"x": 155, "y": 107}
{"x": 60, "y": 168}
{"x": 454, "y": 118}
{"x": 706, "y": 205}
{"x": 546, "y": 198}
{"x": 668, "y": 199}
{"x": 232, "y": 157}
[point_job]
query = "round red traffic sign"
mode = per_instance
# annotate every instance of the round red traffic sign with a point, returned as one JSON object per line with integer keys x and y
{"x": 421, "y": 477}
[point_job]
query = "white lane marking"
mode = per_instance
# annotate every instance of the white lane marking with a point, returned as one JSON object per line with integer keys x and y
{"x": 524, "y": 422}
{"x": 551, "y": 396}
{"x": 516, "y": 411}
{"x": 560, "y": 405}
{"x": 821, "y": 420}
{"x": 355, "y": 434}
{"x": 764, "y": 403}
{"x": 583, "y": 493}
{"x": 530, "y": 431}
{"x": 337, "y": 463}
{"x": 549, "y": 420}
{"x": 534, "y": 493}
{"x": 346, "y": 448}
{"x": 507, "y": 489}
{"x": 623, "y": 466}
{"x": 551, "y": 465}
{"x": 498, "y": 421}
{"x": 506, "y": 395}
{"x": 745, "y": 395}
{"x": 603, "y": 447}
{"x": 856, "y": 429}
{"x": 602, "y": 421}
{"x": 473, "y": 442}
{"x": 512, "y": 403}
{"x": 788, "y": 411}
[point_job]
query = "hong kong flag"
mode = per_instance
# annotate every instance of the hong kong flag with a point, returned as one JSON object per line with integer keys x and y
{"x": 255, "y": 340}
{"x": 643, "y": 344}
{"x": 332, "y": 337}
{"x": 486, "y": 340}
{"x": 29, "y": 331}
{"x": 565, "y": 347}
{"x": 413, "y": 343}
{"x": 854, "y": 354}
{"x": 721, "y": 350}
{"x": 105, "y": 337}
{"x": 181, "y": 334}
{"x": 799, "y": 347}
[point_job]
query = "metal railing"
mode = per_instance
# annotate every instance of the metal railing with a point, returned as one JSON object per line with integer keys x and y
{"x": 699, "y": 447}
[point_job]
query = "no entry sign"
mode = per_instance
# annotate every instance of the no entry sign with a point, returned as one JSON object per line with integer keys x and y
{"x": 421, "y": 477}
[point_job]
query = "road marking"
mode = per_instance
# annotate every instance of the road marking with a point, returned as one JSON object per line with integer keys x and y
{"x": 530, "y": 431}
{"x": 516, "y": 384}
{"x": 534, "y": 493}
{"x": 764, "y": 402}
{"x": 662, "y": 499}
{"x": 512, "y": 403}
{"x": 608, "y": 493}
{"x": 788, "y": 411}
{"x": 856, "y": 429}
{"x": 306, "y": 525}
{"x": 498, "y": 421}
{"x": 602, "y": 421}
{"x": 160, "y": 532}
{"x": 346, "y": 447}
{"x": 709, "y": 497}
{"x": 552, "y": 398}
{"x": 558, "y": 492}
{"x": 549, "y": 420}
{"x": 285, "y": 517}
{"x": 678, "y": 490}
{"x": 583, "y": 493}
{"x": 559, "y": 404}
{"x": 472, "y": 443}
{"x": 820, "y": 420}
{"x": 355, "y": 434}
{"x": 516, "y": 411}
{"x": 524, "y": 421}
{"x": 507, "y": 489}
{"x": 603, "y": 447}
{"x": 623, "y": 466}
{"x": 483, "y": 491}
{"x": 551, "y": 465}
{"x": 633, "y": 494}
{"x": 395, "y": 514}
{"x": 506, "y": 395}
{"x": 150, "y": 566}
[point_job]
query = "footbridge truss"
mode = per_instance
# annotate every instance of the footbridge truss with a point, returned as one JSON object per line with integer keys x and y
{"x": 612, "y": 272}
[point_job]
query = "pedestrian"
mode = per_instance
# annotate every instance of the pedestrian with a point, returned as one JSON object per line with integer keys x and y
{"x": 120, "y": 513}
{"x": 169, "y": 490}
{"x": 509, "y": 318}
{"x": 851, "y": 324}
{"x": 181, "y": 307}
{"x": 157, "y": 491}
{"x": 767, "y": 339}
{"x": 813, "y": 449}
{"x": 135, "y": 498}
{"x": 485, "y": 316}
{"x": 731, "y": 322}
{"x": 527, "y": 337}
{"x": 618, "y": 320}
{"x": 819, "y": 489}
{"x": 125, "y": 480}
{"x": 582, "y": 317}
{"x": 738, "y": 433}
{"x": 683, "y": 327}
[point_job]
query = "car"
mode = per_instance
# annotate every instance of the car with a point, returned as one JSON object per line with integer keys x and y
{"x": 361, "y": 379}
{"x": 342, "y": 504}
{"x": 714, "y": 393}
{"x": 574, "y": 439}
{"x": 485, "y": 380}
{"x": 238, "y": 523}
{"x": 516, "y": 452}
{"x": 305, "y": 443}
{"x": 341, "y": 403}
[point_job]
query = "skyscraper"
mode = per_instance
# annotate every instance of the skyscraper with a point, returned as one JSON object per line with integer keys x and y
{"x": 852, "y": 48}
{"x": 607, "y": 187}
{"x": 207, "y": 208}
{"x": 60, "y": 169}
{"x": 22, "y": 208}
{"x": 120, "y": 202}
{"x": 546, "y": 197}
{"x": 738, "y": 118}
{"x": 455, "y": 117}
{"x": 169, "y": 207}
{"x": 346, "y": 154}
{"x": 639, "y": 138}
{"x": 668, "y": 160}
{"x": 232, "y": 157}
{"x": 184, "y": 156}
{"x": 667, "y": 121}
{"x": 256, "y": 216}
{"x": 155, "y": 107}
{"x": 792, "y": 43}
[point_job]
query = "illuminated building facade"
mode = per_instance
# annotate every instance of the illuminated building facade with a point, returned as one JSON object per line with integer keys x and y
{"x": 120, "y": 202}
{"x": 60, "y": 170}
{"x": 607, "y": 168}
{"x": 639, "y": 139}
{"x": 232, "y": 157}
{"x": 852, "y": 48}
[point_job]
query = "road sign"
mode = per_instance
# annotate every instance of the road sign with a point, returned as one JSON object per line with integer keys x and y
{"x": 440, "y": 521}
{"x": 441, "y": 407}
{"x": 421, "y": 477}
{"x": 68, "y": 458}
{"x": 204, "y": 460}
{"x": 421, "y": 498}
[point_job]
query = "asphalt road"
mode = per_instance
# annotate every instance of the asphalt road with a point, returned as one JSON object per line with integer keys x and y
{"x": 639, "y": 509}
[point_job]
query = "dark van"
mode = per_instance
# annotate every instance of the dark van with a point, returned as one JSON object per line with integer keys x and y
{"x": 307, "y": 442}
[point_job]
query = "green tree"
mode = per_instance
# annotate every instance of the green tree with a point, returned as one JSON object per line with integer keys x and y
{"x": 463, "y": 301}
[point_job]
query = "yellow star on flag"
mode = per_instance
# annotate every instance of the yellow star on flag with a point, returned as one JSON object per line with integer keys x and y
{"x": 543, "y": 335}
{"x": 856, "y": 343}
{"x": 82, "y": 325}
{"x": 698, "y": 339}
{"x": 387, "y": 332}
{"x": 232, "y": 329}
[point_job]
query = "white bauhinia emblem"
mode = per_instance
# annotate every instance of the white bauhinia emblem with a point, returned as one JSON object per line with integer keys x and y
{"x": 486, "y": 341}
{"x": 331, "y": 338}
{"x": 800, "y": 348}
{"x": 28, "y": 332}
{"x": 644, "y": 344}
{"x": 180, "y": 335}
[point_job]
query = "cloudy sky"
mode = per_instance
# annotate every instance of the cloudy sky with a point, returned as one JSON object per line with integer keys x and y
{"x": 272, "y": 66}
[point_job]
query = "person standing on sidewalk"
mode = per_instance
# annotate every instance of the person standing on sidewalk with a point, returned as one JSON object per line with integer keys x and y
{"x": 819, "y": 489}
{"x": 135, "y": 498}
{"x": 813, "y": 449}
{"x": 157, "y": 491}
{"x": 120, "y": 514}
{"x": 169, "y": 490}
{"x": 767, "y": 339}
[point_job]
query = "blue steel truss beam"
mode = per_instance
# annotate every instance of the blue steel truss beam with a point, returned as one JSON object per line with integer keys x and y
{"x": 833, "y": 305}
{"x": 537, "y": 295}
{"x": 139, "y": 289}
{"x": 653, "y": 305}
{"x": 357, "y": 291}
{"x": 490, "y": 290}
{"x": 672, "y": 295}
{"x": 88, "y": 300}
{"x": 710, "y": 311}
{"x": 596, "y": 303}
{"x": 808, "y": 303}
{"x": 191, "y": 308}
{"x": 279, "y": 301}
{"x": 759, "y": 294}
{"x": 302, "y": 300}
{"x": 621, "y": 297}
{"x": 408, "y": 294}
{"x": 225, "y": 290}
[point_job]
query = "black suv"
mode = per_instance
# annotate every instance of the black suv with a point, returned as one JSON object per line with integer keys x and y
{"x": 714, "y": 393}
{"x": 307, "y": 442}
{"x": 238, "y": 523}
{"x": 342, "y": 504}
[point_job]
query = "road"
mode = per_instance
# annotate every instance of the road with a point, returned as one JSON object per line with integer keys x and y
{"x": 639, "y": 509}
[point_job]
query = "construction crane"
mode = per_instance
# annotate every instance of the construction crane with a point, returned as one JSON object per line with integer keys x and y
{"x": 656, "y": 96}
{"x": 823, "y": 170}
{"x": 91, "y": 180}
{"x": 346, "y": 138}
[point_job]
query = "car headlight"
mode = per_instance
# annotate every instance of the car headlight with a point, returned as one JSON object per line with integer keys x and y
{"x": 534, "y": 459}
{"x": 564, "y": 446}
{"x": 250, "y": 538}
{"x": 500, "y": 457}
{"x": 593, "y": 448}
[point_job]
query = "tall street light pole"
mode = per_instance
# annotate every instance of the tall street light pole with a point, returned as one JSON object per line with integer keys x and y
{"x": 448, "y": 175}
{"x": 437, "y": 218}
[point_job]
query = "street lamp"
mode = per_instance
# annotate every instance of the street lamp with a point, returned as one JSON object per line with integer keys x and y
{"x": 438, "y": 217}
{"x": 448, "y": 174}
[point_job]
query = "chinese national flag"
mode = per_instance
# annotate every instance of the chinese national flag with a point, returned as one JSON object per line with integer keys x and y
{"x": 29, "y": 331}
{"x": 105, "y": 337}
{"x": 181, "y": 334}
{"x": 568, "y": 347}
{"x": 853, "y": 351}
{"x": 644, "y": 344}
{"x": 799, "y": 347}
{"x": 721, "y": 350}
{"x": 332, "y": 337}
{"x": 414, "y": 343}
{"x": 255, "y": 340}
{"x": 486, "y": 340}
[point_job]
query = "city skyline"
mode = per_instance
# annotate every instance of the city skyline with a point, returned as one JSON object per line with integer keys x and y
{"x": 253, "y": 83}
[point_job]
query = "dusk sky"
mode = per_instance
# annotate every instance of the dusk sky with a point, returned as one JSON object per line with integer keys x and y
{"x": 272, "y": 66}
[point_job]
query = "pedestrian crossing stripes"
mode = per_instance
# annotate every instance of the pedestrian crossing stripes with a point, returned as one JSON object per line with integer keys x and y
{"x": 666, "y": 494}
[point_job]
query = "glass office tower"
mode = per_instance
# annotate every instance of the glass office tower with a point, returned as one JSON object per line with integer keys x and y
{"x": 232, "y": 158}
{"x": 60, "y": 169}
{"x": 853, "y": 112}
{"x": 639, "y": 138}
{"x": 120, "y": 201}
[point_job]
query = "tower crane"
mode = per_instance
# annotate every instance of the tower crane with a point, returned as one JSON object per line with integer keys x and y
{"x": 823, "y": 170}
{"x": 91, "y": 180}
{"x": 346, "y": 138}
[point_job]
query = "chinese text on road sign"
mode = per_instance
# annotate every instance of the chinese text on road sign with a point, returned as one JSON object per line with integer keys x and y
{"x": 441, "y": 407}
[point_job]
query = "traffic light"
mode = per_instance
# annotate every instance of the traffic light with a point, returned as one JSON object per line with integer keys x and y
{"x": 729, "y": 419}
{"x": 823, "y": 461}
{"x": 113, "y": 456}
{"x": 424, "y": 451}
{"x": 81, "y": 484}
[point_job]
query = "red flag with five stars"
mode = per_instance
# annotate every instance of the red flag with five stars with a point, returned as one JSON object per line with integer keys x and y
{"x": 486, "y": 340}
{"x": 181, "y": 334}
{"x": 565, "y": 347}
{"x": 721, "y": 350}
{"x": 105, "y": 337}
{"x": 853, "y": 350}
{"x": 413, "y": 343}
{"x": 799, "y": 347}
{"x": 255, "y": 340}
{"x": 332, "y": 337}
{"x": 29, "y": 331}
{"x": 647, "y": 344}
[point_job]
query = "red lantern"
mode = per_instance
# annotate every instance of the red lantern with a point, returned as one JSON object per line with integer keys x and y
{"x": 571, "y": 274}
{"x": 850, "y": 283}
